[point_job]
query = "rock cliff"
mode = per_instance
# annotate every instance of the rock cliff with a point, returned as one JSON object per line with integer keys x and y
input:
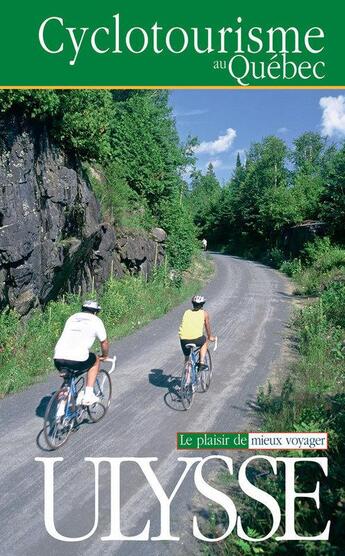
{"x": 52, "y": 238}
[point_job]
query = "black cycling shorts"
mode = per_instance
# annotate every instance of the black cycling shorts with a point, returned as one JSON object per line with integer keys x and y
{"x": 64, "y": 365}
{"x": 198, "y": 342}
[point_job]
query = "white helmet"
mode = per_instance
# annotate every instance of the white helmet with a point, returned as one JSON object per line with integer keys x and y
{"x": 90, "y": 304}
{"x": 198, "y": 299}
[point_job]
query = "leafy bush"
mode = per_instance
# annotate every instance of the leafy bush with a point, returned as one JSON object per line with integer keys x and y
{"x": 31, "y": 103}
{"x": 333, "y": 301}
{"x": 178, "y": 223}
{"x": 274, "y": 257}
{"x": 323, "y": 255}
{"x": 322, "y": 264}
{"x": 291, "y": 268}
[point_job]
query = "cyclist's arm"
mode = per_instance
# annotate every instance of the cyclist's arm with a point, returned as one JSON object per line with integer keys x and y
{"x": 208, "y": 328}
{"x": 105, "y": 349}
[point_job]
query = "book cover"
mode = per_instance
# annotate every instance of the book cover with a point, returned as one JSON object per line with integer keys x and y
{"x": 172, "y": 265}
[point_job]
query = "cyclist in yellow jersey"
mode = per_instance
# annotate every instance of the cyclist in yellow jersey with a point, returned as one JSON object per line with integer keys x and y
{"x": 194, "y": 322}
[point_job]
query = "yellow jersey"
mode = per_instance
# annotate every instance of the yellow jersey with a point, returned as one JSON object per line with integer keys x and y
{"x": 192, "y": 325}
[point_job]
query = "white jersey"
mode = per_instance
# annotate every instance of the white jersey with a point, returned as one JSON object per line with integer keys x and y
{"x": 80, "y": 332}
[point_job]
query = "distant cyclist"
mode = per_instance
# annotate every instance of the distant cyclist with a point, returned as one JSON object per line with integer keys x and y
{"x": 194, "y": 323}
{"x": 204, "y": 244}
{"x": 72, "y": 351}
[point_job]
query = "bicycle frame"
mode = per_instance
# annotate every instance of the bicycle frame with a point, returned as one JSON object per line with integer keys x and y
{"x": 194, "y": 359}
{"x": 71, "y": 384}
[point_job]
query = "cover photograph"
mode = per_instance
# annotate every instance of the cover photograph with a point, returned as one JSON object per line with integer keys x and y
{"x": 172, "y": 279}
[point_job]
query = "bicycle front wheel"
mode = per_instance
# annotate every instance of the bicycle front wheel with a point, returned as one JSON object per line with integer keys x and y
{"x": 58, "y": 419}
{"x": 102, "y": 390}
{"x": 186, "y": 391}
{"x": 206, "y": 376}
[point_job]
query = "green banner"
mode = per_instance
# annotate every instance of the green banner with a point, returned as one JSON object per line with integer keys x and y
{"x": 134, "y": 43}
{"x": 212, "y": 440}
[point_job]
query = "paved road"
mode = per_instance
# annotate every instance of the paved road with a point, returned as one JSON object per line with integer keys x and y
{"x": 249, "y": 306}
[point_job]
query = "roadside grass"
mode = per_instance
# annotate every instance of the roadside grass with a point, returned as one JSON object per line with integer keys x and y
{"x": 320, "y": 266}
{"x": 26, "y": 349}
{"x": 311, "y": 399}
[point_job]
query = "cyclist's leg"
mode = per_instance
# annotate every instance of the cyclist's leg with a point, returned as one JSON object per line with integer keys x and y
{"x": 186, "y": 351}
{"x": 93, "y": 364}
{"x": 203, "y": 343}
{"x": 93, "y": 370}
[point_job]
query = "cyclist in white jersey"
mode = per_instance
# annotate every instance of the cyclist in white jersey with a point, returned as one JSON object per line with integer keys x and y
{"x": 72, "y": 351}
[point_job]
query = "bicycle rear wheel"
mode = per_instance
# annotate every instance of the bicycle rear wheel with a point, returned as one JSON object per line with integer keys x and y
{"x": 102, "y": 390}
{"x": 206, "y": 375}
{"x": 186, "y": 392}
{"x": 58, "y": 420}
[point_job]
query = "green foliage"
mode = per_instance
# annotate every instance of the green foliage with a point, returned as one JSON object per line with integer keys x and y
{"x": 267, "y": 195}
{"x": 80, "y": 120}
{"x": 291, "y": 268}
{"x": 145, "y": 144}
{"x": 178, "y": 223}
{"x": 323, "y": 255}
{"x": 204, "y": 197}
{"x": 333, "y": 301}
{"x": 85, "y": 123}
{"x": 309, "y": 153}
{"x": 31, "y": 103}
{"x": 323, "y": 263}
{"x": 274, "y": 257}
{"x": 121, "y": 205}
{"x": 333, "y": 199}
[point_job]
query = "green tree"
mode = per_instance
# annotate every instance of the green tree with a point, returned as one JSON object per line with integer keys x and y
{"x": 205, "y": 194}
{"x": 308, "y": 156}
{"x": 333, "y": 198}
{"x": 265, "y": 178}
{"x": 146, "y": 144}
{"x": 177, "y": 220}
{"x": 85, "y": 123}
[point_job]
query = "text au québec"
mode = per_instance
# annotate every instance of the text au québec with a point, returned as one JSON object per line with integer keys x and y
{"x": 291, "y": 53}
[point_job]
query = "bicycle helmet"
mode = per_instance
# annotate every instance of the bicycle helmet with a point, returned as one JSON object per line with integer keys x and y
{"x": 91, "y": 305}
{"x": 198, "y": 299}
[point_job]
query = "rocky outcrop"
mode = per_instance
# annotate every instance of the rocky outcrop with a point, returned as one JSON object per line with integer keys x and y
{"x": 52, "y": 238}
{"x": 295, "y": 237}
{"x": 141, "y": 254}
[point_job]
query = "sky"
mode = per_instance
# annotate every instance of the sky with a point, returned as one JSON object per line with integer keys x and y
{"x": 226, "y": 122}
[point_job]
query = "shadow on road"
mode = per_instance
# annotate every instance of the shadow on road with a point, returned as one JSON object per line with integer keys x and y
{"x": 42, "y": 406}
{"x": 172, "y": 383}
{"x": 40, "y": 441}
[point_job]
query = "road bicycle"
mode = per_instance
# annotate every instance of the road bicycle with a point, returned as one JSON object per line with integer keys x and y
{"x": 195, "y": 380}
{"x": 65, "y": 411}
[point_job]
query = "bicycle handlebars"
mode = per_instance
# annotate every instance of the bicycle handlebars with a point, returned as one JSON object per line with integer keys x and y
{"x": 111, "y": 360}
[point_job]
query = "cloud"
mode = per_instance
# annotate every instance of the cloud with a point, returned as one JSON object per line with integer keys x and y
{"x": 333, "y": 115}
{"x": 186, "y": 113}
{"x": 282, "y": 130}
{"x": 220, "y": 145}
